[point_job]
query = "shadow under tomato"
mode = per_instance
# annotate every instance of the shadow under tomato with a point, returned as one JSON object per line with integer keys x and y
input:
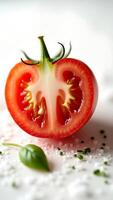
{"x": 95, "y": 135}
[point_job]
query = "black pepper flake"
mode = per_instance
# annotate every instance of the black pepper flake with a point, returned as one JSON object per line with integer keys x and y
{"x": 92, "y": 138}
{"x": 58, "y": 148}
{"x": 0, "y": 152}
{"x": 102, "y": 131}
{"x": 105, "y": 136}
{"x": 102, "y": 148}
{"x": 84, "y": 151}
{"x": 103, "y": 144}
{"x": 80, "y": 151}
{"x": 87, "y": 150}
{"x": 82, "y": 142}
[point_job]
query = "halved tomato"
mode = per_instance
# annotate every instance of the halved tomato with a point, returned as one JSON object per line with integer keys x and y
{"x": 51, "y": 98}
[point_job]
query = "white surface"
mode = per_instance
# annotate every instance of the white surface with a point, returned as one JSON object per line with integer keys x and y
{"x": 88, "y": 24}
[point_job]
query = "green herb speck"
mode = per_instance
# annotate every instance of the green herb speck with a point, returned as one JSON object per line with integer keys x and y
{"x": 73, "y": 167}
{"x": 14, "y": 184}
{"x": 100, "y": 173}
{"x": 61, "y": 153}
{"x": 105, "y": 162}
{"x": 106, "y": 182}
{"x": 80, "y": 156}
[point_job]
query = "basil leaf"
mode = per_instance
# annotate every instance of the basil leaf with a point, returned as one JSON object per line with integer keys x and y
{"x": 34, "y": 157}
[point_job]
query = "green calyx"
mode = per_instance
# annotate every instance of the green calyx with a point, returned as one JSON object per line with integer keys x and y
{"x": 45, "y": 54}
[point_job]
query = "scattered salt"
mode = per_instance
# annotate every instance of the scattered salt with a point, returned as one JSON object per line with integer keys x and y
{"x": 78, "y": 181}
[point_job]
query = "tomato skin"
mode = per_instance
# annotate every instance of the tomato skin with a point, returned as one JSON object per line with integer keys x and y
{"x": 89, "y": 90}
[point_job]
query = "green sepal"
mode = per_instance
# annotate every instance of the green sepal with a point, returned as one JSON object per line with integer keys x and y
{"x": 60, "y": 55}
{"x": 45, "y": 57}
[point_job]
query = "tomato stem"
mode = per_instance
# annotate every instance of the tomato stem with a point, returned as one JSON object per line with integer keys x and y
{"x": 44, "y": 51}
{"x": 11, "y": 144}
{"x": 46, "y": 61}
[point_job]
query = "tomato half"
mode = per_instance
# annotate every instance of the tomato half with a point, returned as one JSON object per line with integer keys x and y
{"x": 51, "y": 98}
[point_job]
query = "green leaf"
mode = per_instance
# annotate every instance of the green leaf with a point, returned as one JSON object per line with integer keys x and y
{"x": 34, "y": 157}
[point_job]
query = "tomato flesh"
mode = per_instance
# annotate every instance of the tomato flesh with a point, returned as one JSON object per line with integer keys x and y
{"x": 56, "y": 104}
{"x": 24, "y": 101}
{"x": 63, "y": 111}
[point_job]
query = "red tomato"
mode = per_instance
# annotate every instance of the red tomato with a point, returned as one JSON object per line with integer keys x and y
{"x": 51, "y": 98}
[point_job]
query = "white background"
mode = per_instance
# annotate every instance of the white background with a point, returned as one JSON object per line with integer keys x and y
{"x": 88, "y": 24}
